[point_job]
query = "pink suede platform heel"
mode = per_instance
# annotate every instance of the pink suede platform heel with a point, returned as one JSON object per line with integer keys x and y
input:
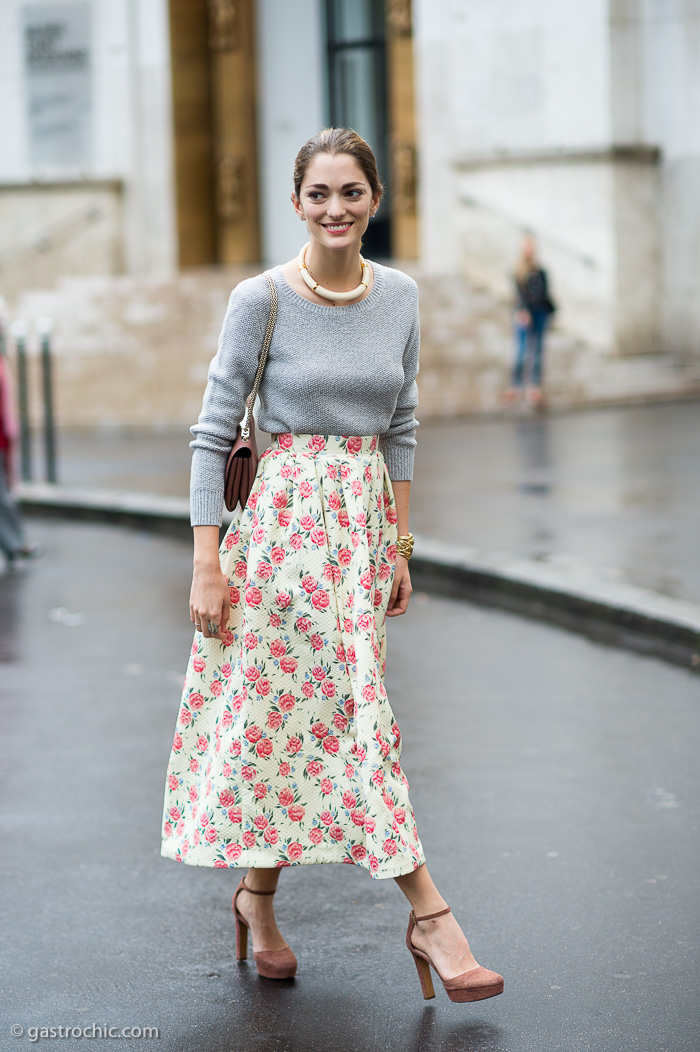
{"x": 271, "y": 964}
{"x": 474, "y": 985}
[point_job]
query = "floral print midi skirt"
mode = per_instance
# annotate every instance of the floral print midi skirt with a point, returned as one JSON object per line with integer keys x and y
{"x": 286, "y": 750}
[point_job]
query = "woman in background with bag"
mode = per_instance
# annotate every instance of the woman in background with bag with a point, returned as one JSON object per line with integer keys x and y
{"x": 534, "y": 307}
{"x": 286, "y": 750}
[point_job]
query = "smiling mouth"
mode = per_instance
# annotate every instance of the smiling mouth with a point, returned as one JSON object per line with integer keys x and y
{"x": 337, "y": 226}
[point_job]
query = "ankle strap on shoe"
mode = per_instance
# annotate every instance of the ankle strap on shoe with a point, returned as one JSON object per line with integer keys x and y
{"x": 431, "y": 916}
{"x": 253, "y": 891}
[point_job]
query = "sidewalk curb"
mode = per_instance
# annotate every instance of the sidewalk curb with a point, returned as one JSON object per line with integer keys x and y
{"x": 559, "y": 590}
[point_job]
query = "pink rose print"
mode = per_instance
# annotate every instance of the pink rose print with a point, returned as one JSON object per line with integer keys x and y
{"x": 296, "y": 813}
{"x": 305, "y": 489}
{"x": 284, "y": 769}
{"x": 318, "y": 443}
{"x": 283, "y": 599}
{"x": 331, "y": 744}
{"x": 235, "y": 815}
{"x": 293, "y": 745}
{"x": 340, "y": 721}
{"x": 266, "y": 571}
{"x": 326, "y": 817}
{"x": 264, "y": 747}
{"x": 285, "y": 441}
{"x": 260, "y": 821}
{"x": 275, "y": 720}
{"x": 319, "y": 730}
{"x": 270, "y": 835}
{"x": 278, "y": 648}
{"x": 315, "y": 835}
{"x": 314, "y": 768}
{"x": 253, "y": 734}
{"x": 307, "y": 522}
{"x": 295, "y": 851}
{"x": 316, "y": 641}
{"x": 248, "y": 838}
{"x": 286, "y": 702}
{"x": 358, "y": 852}
{"x": 278, "y": 556}
{"x": 233, "y": 852}
{"x": 285, "y": 797}
{"x": 336, "y": 832}
{"x": 253, "y": 596}
{"x": 318, "y": 535}
{"x": 263, "y": 686}
{"x": 326, "y": 786}
{"x": 260, "y": 791}
{"x": 227, "y": 798}
{"x": 303, "y": 624}
{"x": 296, "y": 541}
{"x": 199, "y": 664}
{"x": 307, "y": 689}
{"x": 280, "y": 499}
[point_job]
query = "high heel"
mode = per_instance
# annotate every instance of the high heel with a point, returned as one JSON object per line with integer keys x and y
{"x": 271, "y": 964}
{"x": 474, "y": 985}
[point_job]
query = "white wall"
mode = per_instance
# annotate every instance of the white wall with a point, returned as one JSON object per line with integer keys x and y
{"x": 503, "y": 77}
{"x": 291, "y": 93}
{"x": 131, "y": 122}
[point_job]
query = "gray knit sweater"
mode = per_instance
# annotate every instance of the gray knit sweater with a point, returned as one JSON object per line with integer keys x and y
{"x": 347, "y": 370}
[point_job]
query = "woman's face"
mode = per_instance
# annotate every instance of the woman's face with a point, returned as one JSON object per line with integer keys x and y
{"x": 336, "y": 200}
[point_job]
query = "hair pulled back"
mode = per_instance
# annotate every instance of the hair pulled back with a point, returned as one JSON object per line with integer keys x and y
{"x": 334, "y": 141}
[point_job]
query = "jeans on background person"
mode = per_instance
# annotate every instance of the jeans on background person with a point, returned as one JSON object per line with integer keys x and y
{"x": 12, "y": 540}
{"x": 530, "y": 337}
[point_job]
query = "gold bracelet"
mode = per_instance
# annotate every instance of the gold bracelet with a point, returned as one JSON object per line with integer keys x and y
{"x": 404, "y": 545}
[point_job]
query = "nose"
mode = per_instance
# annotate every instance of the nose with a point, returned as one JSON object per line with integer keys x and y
{"x": 335, "y": 208}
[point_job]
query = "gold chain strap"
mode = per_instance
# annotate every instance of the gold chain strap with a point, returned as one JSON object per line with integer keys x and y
{"x": 272, "y": 318}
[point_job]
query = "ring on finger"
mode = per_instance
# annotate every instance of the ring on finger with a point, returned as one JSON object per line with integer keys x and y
{"x": 212, "y": 628}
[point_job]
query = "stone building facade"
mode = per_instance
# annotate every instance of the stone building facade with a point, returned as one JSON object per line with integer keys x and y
{"x": 146, "y": 167}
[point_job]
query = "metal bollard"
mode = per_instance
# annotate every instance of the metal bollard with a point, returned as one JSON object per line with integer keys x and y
{"x": 19, "y": 333}
{"x": 44, "y": 326}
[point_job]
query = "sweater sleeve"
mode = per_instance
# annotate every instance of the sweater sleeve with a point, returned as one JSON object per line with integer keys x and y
{"x": 398, "y": 443}
{"x": 229, "y": 382}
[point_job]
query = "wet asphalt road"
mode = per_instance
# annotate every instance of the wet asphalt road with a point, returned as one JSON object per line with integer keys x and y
{"x": 555, "y": 783}
{"x": 614, "y": 489}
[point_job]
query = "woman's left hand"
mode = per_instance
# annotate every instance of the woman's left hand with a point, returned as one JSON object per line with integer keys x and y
{"x": 401, "y": 589}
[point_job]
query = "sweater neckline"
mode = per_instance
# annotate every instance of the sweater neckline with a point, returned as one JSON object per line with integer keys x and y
{"x": 368, "y": 303}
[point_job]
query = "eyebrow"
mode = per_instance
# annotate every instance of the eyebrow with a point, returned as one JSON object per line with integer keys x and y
{"x": 323, "y": 186}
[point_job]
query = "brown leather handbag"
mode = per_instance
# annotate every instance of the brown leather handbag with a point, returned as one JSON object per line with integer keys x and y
{"x": 242, "y": 463}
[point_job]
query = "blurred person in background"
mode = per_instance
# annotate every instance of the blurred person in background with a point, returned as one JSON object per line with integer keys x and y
{"x": 12, "y": 540}
{"x": 534, "y": 306}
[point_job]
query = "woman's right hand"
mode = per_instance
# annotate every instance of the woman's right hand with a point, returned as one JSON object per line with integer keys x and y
{"x": 209, "y": 597}
{"x": 210, "y": 600}
{"x": 522, "y": 318}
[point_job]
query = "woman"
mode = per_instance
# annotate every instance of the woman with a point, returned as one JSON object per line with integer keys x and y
{"x": 286, "y": 750}
{"x": 533, "y": 308}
